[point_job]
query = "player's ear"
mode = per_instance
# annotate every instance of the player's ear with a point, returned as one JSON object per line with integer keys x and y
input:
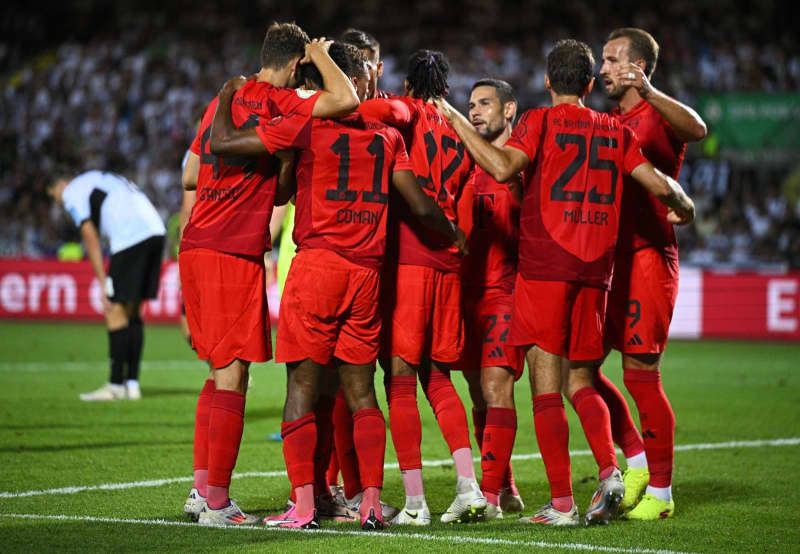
{"x": 380, "y": 69}
{"x": 510, "y": 111}
{"x": 547, "y": 82}
{"x": 643, "y": 65}
{"x": 589, "y": 87}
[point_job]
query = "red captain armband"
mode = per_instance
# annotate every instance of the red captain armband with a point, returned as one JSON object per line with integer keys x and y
{"x": 388, "y": 111}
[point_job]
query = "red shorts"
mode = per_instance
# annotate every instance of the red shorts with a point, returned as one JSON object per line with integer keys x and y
{"x": 487, "y": 322}
{"x": 226, "y": 306}
{"x": 425, "y": 308}
{"x": 559, "y": 317}
{"x": 641, "y": 302}
{"x": 329, "y": 309}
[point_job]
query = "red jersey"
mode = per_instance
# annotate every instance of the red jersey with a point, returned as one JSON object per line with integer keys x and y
{"x": 569, "y": 218}
{"x": 441, "y": 165}
{"x": 343, "y": 175}
{"x": 235, "y": 195}
{"x": 492, "y": 259}
{"x": 644, "y": 219}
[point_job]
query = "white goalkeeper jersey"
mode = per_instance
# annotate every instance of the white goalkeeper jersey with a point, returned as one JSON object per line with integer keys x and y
{"x": 116, "y": 206}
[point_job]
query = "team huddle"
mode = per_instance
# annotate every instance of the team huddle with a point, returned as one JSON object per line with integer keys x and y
{"x": 436, "y": 243}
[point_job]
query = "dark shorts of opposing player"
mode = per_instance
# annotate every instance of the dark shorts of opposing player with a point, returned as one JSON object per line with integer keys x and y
{"x": 487, "y": 324}
{"x": 134, "y": 273}
{"x": 329, "y": 309}
{"x": 561, "y": 318}
{"x": 641, "y": 302}
{"x": 423, "y": 314}
{"x": 226, "y": 306}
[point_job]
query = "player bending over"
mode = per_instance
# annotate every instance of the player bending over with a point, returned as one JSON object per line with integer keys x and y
{"x": 111, "y": 205}
{"x": 574, "y": 159}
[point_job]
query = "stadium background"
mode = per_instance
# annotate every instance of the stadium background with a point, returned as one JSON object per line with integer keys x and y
{"x": 116, "y": 85}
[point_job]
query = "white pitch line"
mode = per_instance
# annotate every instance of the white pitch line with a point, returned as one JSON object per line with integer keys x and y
{"x": 384, "y": 535}
{"x": 426, "y": 463}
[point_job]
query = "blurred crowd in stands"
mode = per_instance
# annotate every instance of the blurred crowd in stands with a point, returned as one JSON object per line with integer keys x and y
{"x": 122, "y": 92}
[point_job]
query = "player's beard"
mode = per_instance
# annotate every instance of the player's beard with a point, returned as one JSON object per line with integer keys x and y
{"x": 489, "y": 131}
{"x": 615, "y": 92}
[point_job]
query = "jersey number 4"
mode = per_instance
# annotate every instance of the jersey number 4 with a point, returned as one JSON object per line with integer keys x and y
{"x": 558, "y": 191}
{"x": 341, "y": 147}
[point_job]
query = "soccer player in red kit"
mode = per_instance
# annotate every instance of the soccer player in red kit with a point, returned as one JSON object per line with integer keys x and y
{"x": 345, "y": 452}
{"x": 329, "y": 309}
{"x": 574, "y": 159}
{"x": 490, "y": 365}
{"x": 423, "y": 332}
{"x": 221, "y": 259}
{"x": 645, "y": 283}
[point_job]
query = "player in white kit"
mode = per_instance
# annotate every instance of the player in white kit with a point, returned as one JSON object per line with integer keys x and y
{"x": 110, "y": 205}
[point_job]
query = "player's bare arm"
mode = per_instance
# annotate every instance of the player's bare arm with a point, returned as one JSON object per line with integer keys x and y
{"x": 339, "y": 96}
{"x": 426, "y": 210}
{"x": 226, "y": 139}
{"x": 668, "y": 191}
{"x": 189, "y": 181}
{"x": 687, "y": 123}
{"x": 91, "y": 240}
{"x": 287, "y": 178}
{"x": 501, "y": 163}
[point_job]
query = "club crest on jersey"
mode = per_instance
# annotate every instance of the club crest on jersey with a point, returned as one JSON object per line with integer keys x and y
{"x": 304, "y": 93}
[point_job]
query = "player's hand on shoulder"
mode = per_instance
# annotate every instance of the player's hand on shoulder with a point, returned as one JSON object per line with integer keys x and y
{"x": 634, "y": 76}
{"x": 316, "y": 46}
{"x": 444, "y": 106}
{"x": 232, "y": 85}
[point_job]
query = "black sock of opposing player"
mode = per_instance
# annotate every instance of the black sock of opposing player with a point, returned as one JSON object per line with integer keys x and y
{"x": 118, "y": 352}
{"x": 135, "y": 344}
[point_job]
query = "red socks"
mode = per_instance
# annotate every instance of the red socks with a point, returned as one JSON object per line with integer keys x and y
{"x": 657, "y": 420}
{"x": 498, "y": 441}
{"x": 225, "y": 424}
{"x": 552, "y": 434}
{"x": 345, "y": 447}
{"x": 404, "y": 421}
{"x": 623, "y": 429}
{"x": 201, "y": 436}
{"x": 596, "y": 423}
{"x": 369, "y": 434}
{"x": 448, "y": 409}
{"x": 299, "y": 444}
{"x": 322, "y": 453}
{"x": 479, "y": 422}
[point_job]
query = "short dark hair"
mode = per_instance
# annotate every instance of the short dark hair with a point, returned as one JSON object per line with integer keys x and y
{"x": 362, "y": 40}
{"x": 427, "y": 74}
{"x": 504, "y": 91}
{"x": 642, "y": 46}
{"x": 570, "y": 67}
{"x": 282, "y": 43}
{"x": 347, "y": 57}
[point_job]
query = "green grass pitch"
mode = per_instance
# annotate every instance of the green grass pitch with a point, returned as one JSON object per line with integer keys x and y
{"x": 735, "y": 486}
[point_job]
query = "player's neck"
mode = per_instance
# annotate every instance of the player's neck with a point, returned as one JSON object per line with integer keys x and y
{"x": 500, "y": 140}
{"x": 629, "y": 100}
{"x": 276, "y": 78}
{"x": 566, "y": 99}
